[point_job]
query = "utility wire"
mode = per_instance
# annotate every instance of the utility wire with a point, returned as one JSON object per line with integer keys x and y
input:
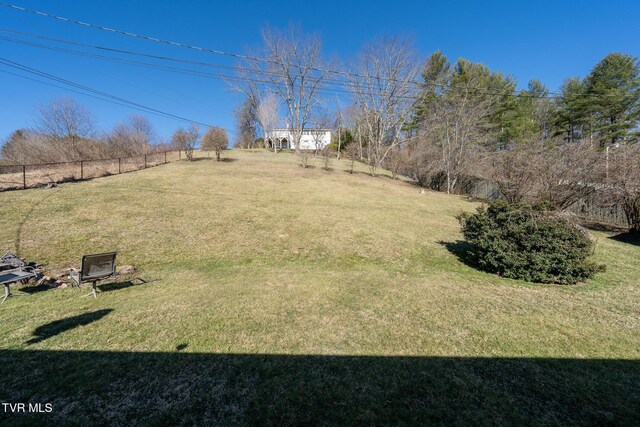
{"x": 164, "y": 58}
{"x": 89, "y": 95}
{"x": 227, "y": 78}
{"x": 234, "y": 55}
{"x": 95, "y": 93}
{"x": 63, "y": 88}
{"x": 223, "y": 77}
{"x": 140, "y": 36}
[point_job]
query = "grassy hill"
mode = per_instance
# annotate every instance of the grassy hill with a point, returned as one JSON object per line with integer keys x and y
{"x": 278, "y": 294}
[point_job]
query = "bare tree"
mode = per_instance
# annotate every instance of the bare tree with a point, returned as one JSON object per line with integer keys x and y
{"x": 21, "y": 147}
{"x": 352, "y": 153}
{"x": 142, "y": 130}
{"x": 350, "y": 118}
{"x": 453, "y": 123}
{"x": 339, "y": 123}
{"x": 321, "y": 123}
{"x": 325, "y": 152}
{"x": 623, "y": 182}
{"x": 294, "y": 72}
{"x": 267, "y": 115}
{"x": 215, "y": 139}
{"x": 423, "y": 162}
{"x": 67, "y": 123}
{"x": 186, "y": 140}
{"x": 131, "y": 137}
{"x": 120, "y": 141}
{"x": 515, "y": 170}
{"x": 305, "y": 158}
{"x": 385, "y": 93}
{"x": 246, "y": 124}
{"x": 568, "y": 173}
{"x": 397, "y": 161}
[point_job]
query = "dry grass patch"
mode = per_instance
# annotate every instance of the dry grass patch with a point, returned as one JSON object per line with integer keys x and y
{"x": 260, "y": 257}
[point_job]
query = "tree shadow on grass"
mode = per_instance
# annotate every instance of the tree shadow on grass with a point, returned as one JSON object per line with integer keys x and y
{"x": 399, "y": 179}
{"x": 213, "y": 159}
{"x": 118, "y": 387}
{"x": 601, "y": 226}
{"x": 52, "y": 329}
{"x": 628, "y": 237}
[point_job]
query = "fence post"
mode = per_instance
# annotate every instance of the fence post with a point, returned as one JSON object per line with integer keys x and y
{"x": 119, "y": 166}
{"x": 165, "y": 157}
{"x": 24, "y": 177}
{"x": 179, "y": 155}
{"x": 145, "y": 161}
{"x": 81, "y": 169}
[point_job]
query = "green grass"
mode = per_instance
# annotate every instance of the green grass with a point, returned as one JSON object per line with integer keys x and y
{"x": 278, "y": 294}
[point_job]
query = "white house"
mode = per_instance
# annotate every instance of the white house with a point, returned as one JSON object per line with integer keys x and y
{"x": 312, "y": 139}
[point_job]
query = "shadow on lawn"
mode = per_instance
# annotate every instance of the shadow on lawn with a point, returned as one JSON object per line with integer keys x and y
{"x": 213, "y": 158}
{"x": 96, "y": 387}
{"x": 463, "y": 251}
{"x": 34, "y": 289}
{"x": 52, "y": 329}
{"x": 114, "y": 286}
{"x": 628, "y": 237}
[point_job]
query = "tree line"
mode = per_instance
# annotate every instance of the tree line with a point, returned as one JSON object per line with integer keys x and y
{"x": 435, "y": 121}
{"x": 65, "y": 131}
{"x": 441, "y": 122}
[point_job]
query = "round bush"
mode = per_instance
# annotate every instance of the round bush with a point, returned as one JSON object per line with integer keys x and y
{"x": 529, "y": 243}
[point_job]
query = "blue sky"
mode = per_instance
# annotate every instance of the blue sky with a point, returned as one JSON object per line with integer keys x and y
{"x": 547, "y": 40}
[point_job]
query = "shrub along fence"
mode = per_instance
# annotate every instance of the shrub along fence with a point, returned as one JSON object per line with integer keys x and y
{"x": 16, "y": 177}
{"x": 591, "y": 208}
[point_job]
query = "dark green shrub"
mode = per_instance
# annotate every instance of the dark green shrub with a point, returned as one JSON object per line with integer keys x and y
{"x": 529, "y": 243}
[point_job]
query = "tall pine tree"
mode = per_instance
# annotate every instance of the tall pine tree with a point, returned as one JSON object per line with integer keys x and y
{"x": 612, "y": 99}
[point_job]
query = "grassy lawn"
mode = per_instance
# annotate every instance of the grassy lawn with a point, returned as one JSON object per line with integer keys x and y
{"x": 284, "y": 295}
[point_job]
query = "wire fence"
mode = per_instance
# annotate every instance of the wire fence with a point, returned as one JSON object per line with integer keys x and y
{"x": 17, "y": 177}
{"x": 593, "y": 208}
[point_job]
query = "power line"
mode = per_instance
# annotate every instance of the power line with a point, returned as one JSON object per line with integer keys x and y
{"x": 63, "y": 88}
{"x": 161, "y": 57}
{"x": 224, "y": 77}
{"x": 234, "y": 55}
{"x": 105, "y": 96}
{"x": 128, "y": 52}
{"x": 113, "y": 58}
{"x": 85, "y": 94}
{"x": 549, "y": 95}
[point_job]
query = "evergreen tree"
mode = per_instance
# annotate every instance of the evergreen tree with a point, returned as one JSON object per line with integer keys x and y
{"x": 478, "y": 85}
{"x": 571, "y": 113}
{"x": 612, "y": 99}
{"x": 543, "y": 108}
{"x": 437, "y": 77}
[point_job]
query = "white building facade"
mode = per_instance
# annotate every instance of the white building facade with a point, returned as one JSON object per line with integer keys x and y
{"x": 312, "y": 139}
